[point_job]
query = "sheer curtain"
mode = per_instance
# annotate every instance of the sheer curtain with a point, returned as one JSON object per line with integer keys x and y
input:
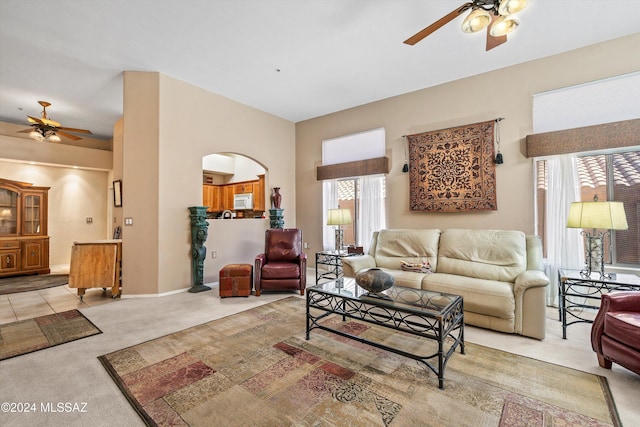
{"x": 564, "y": 245}
{"x": 330, "y": 201}
{"x": 372, "y": 208}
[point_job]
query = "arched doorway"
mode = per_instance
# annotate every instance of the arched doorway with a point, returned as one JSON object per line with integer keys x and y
{"x": 233, "y": 186}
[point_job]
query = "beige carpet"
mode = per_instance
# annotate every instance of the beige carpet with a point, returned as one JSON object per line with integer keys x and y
{"x": 42, "y": 332}
{"x": 255, "y": 368}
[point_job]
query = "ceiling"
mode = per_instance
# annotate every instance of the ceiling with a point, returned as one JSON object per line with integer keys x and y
{"x": 295, "y": 59}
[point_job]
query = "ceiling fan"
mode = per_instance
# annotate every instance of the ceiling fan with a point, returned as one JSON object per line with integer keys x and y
{"x": 494, "y": 15}
{"x": 44, "y": 128}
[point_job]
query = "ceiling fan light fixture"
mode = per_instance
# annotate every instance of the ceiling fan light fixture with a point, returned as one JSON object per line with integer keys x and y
{"x": 476, "y": 21}
{"x": 504, "y": 25}
{"x": 54, "y": 138}
{"x": 34, "y": 134}
{"x": 508, "y": 7}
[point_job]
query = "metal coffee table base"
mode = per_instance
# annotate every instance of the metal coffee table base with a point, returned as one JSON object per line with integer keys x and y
{"x": 449, "y": 323}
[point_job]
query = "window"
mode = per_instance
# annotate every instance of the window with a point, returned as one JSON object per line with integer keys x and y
{"x": 348, "y": 197}
{"x": 611, "y": 176}
{"x": 365, "y": 197}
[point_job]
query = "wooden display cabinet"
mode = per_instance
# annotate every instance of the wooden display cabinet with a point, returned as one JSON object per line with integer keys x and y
{"x": 24, "y": 244}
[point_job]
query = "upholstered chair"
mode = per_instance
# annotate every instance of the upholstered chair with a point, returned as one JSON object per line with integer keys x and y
{"x": 615, "y": 333}
{"x": 283, "y": 265}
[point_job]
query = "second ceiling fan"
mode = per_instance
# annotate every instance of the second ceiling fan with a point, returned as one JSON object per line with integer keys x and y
{"x": 494, "y": 15}
{"x": 45, "y": 129}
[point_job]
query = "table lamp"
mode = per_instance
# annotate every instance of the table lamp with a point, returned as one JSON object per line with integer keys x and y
{"x": 339, "y": 217}
{"x": 596, "y": 215}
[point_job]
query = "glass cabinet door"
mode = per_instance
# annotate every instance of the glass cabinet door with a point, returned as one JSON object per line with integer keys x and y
{"x": 32, "y": 214}
{"x": 8, "y": 212}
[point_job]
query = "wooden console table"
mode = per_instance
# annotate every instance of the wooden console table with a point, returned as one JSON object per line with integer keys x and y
{"x": 96, "y": 264}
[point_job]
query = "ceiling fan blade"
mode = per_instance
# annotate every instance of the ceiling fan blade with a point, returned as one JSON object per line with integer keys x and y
{"x": 25, "y": 131}
{"x": 35, "y": 120}
{"x": 437, "y": 25}
{"x": 74, "y": 130}
{"x": 67, "y": 135}
{"x": 491, "y": 40}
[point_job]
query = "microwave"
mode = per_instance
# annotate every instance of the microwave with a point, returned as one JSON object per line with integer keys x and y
{"x": 243, "y": 201}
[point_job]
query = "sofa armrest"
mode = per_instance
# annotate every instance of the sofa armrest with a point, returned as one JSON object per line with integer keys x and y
{"x": 529, "y": 279}
{"x": 351, "y": 265}
{"x": 613, "y": 301}
{"x": 530, "y": 297}
{"x": 257, "y": 270}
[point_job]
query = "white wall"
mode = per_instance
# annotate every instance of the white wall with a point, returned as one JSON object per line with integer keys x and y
{"x": 246, "y": 169}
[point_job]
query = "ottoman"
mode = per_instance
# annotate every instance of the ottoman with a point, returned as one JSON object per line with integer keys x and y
{"x": 236, "y": 280}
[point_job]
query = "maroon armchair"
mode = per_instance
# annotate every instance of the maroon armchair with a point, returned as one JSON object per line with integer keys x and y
{"x": 283, "y": 265}
{"x": 615, "y": 333}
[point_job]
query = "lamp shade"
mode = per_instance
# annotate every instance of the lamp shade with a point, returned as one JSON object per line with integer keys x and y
{"x": 604, "y": 215}
{"x": 339, "y": 217}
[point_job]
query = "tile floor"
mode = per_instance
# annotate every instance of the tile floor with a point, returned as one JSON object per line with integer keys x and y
{"x": 27, "y": 305}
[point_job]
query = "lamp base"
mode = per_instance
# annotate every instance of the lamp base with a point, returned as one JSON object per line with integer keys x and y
{"x": 594, "y": 255}
{"x": 339, "y": 239}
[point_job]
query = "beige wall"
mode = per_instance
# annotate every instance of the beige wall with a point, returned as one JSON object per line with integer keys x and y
{"x": 75, "y": 194}
{"x": 78, "y": 181}
{"x": 503, "y": 93}
{"x": 169, "y": 126}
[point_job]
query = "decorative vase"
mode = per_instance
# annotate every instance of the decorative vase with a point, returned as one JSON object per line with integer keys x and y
{"x": 374, "y": 280}
{"x": 276, "y": 198}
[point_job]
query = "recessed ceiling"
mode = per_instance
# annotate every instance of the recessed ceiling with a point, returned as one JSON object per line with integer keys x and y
{"x": 291, "y": 58}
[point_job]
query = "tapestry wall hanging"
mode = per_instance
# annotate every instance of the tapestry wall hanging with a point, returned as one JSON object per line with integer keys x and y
{"x": 453, "y": 170}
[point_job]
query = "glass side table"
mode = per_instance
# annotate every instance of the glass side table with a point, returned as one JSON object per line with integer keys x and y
{"x": 331, "y": 263}
{"x": 578, "y": 292}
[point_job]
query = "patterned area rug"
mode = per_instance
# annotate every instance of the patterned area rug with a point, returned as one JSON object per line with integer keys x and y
{"x": 13, "y": 285}
{"x": 30, "y": 335}
{"x": 255, "y": 368}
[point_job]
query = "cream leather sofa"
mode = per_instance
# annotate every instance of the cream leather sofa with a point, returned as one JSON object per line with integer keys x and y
{"x": 497, "y": 272}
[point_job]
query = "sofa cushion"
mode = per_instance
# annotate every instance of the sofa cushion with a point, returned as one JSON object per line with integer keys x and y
{"x": 485, "y": 254}
{"x": 280, "y": 270}
{"x": 412, "y": 246}
{"x": 488, "y": 297}
{"x": 407, "y": 279}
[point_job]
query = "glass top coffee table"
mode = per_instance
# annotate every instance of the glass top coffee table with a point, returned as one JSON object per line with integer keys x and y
{"x": 431, "y": 315}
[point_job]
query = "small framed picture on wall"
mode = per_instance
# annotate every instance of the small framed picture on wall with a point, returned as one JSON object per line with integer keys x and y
{"x": 117, "y": 193}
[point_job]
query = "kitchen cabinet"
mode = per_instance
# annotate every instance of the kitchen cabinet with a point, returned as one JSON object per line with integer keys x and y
{"x": 24, "y": 244}
{"x": 220, "y": 197}
{"x": 243, "y": 188}
{"x": 212, "y": 197}
{"x": 258, "y": 194}
{"x": 227, "y": 197}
